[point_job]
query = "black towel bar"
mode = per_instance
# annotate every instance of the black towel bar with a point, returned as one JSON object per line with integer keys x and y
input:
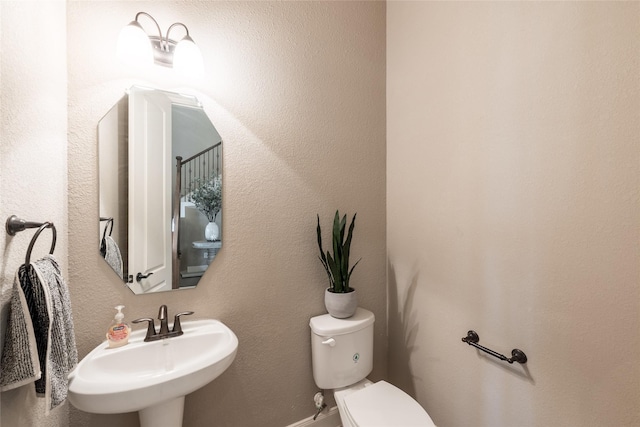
{"x": 472, "y": 339}
{"x": 15, "y": 225}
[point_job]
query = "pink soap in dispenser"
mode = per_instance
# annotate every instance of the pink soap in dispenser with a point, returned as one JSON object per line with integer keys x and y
{"x": 118, "y": 333}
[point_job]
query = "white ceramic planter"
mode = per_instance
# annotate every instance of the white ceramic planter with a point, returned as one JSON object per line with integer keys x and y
{"x": 341, "y": 305}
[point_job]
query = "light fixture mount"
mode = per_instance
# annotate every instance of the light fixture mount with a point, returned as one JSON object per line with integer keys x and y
{"x": 163, "y": 50}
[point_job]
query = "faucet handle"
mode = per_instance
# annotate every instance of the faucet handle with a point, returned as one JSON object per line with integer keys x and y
{"x": 177, "y": 327}
{"x": 151, "y": 327}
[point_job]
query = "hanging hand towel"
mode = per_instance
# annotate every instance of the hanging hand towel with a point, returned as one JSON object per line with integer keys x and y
{"x": 60, "y": 355}
{"x": 40, "y": 341}
{"x": 113, "y": 256}
{"x": 19, "y": 364}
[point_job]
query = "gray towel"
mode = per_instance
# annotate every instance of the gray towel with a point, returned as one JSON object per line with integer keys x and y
{"x": 113, "y": 256}
{"x": 19, "y": 364}
{"x": 61, "y": 352}
{"x": 47, "y": 297}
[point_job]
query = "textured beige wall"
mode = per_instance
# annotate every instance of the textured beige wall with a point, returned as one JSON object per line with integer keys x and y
{"x": 513, "y": 200}
{"x": 33, "y": 161}
{"x": 297, "y": 92}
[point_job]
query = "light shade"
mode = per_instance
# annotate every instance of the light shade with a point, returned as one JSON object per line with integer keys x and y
{"x": 134, "y": 46}
{"x": 187, "y": 59}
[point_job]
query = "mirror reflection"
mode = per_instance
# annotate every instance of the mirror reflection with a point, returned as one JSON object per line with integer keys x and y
{"x": 160, "y": 187}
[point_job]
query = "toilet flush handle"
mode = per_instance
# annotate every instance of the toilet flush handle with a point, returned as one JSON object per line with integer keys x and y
{"x": 330, "y": 342}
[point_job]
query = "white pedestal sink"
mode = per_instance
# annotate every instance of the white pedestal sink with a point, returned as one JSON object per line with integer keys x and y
{"x": 152, "y": 377}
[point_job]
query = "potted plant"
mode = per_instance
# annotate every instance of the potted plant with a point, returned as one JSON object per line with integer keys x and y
{"x": 208, "y": 199}
{"x": 340, "y": 298}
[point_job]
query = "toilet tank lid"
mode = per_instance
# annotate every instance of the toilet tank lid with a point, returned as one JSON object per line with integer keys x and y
{"x": 327, "y": 325}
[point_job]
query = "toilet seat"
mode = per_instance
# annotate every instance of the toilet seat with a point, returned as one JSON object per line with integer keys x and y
{"x": 384, "y": 405}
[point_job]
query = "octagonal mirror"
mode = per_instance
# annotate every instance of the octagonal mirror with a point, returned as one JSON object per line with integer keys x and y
{"x": 160, "y": 188}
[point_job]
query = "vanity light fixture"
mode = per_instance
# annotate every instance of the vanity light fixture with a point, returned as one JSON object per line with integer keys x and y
{"x": 136, "y": 47}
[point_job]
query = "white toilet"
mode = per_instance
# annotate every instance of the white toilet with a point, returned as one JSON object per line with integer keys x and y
{"x": 342, "y": 357}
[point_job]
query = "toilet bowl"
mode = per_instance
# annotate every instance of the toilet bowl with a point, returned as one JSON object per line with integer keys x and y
{"x": 342, "y": 357}
{"x": 369, "y": 404}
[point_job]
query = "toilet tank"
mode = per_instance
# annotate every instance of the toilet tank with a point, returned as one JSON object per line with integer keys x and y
{"x": 341, "y": 349}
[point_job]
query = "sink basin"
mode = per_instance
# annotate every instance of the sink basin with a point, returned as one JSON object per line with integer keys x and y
{"x": 142, "y": 374}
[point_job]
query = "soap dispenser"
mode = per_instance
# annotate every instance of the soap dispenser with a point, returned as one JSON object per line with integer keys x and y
{"x": 118, "y": 333}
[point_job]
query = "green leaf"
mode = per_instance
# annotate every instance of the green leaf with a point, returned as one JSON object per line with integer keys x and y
{"x": 337, "y": 251}
{"x": 343, "y": 223}
{"x": 319, "y": 232}
{"x": 334, "y": 271}
{"x": 322, "y": 257}
{"x": 347, "y": 243}
{"x": 351, "y": 271}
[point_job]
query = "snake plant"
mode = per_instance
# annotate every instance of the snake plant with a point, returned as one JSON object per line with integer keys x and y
{"x": 337, "y": 265}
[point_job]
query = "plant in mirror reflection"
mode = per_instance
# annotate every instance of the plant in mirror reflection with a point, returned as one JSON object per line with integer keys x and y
{"x": 208, "y": 197}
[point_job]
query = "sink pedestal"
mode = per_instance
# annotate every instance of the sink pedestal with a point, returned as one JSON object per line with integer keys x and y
{"x": 165, "y": 414}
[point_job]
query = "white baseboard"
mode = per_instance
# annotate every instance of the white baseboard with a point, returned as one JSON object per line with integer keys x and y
{"x": 330, "y": 418}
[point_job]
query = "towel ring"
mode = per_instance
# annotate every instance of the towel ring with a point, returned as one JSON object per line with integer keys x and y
{"x": 103, "y": 243}
{"x": 35, "y": 237}
{"x": 106, "y": 226}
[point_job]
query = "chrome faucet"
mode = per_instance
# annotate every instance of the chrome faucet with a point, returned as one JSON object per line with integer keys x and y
{"x": 164, "y": 332}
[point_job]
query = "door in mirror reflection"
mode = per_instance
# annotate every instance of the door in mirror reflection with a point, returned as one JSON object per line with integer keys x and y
{"x": 160, "y": 174}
